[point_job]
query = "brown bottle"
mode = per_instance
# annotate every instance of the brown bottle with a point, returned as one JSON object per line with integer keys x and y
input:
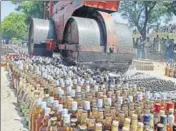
{"x": 175, "y": 71}
{"x": 34, "y": 114}
{"x": 44, "y": 126}
{"x": 166, "y": 70}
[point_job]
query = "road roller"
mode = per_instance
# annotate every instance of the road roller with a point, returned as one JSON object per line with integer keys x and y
{"x": 83, "y": 32}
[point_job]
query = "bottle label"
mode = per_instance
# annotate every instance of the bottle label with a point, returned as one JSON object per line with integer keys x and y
{"x": 139, "y": 96}
{"x": 100, "y": 103}
{"x": 87, "y": 105}
{"x": 69, "y": 88}
{"x": 74, "y": 106}
{"x": 120, "y": 100}
{"x": 87, "y": 88}
{"x": 59, "y": 108}
{"x": 96, "y": 88}
{"x": 73, "y": 93}
{"x": 170, "y": 119}
{"x": 109, "y": 101}
{"x": 78, "y": 89}
{"x": 66, "y": 119}
{"x": 130, "y": 98}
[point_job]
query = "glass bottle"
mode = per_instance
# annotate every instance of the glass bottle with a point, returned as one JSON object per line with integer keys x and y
{"x": 74, "y": 109}
{"x": 38, "y": 121}
{"x": 91, "y": 124}
{"x": 170, "y": 122}
{"x": 35, "y": 112}
{"x": 134, "y": 122}
{"x": 127, "y": 123}
{"x": 107, "y": 122}
{"x": 45, "y": 120}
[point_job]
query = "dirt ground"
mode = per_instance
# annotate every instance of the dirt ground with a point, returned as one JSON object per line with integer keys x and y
{"x": 10, "y": 118}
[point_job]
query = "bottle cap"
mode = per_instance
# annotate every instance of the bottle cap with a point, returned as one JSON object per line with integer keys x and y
{"x": 115, "y": 123}
{"x": 140, "y": 125}
{"x": 43, "y": 105}
{"x": 125, "y": 129}
{"x": 127, "y": 120}
{"x": 78, "y": 89}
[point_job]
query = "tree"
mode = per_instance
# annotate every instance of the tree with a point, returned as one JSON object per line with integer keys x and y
{"x": 14, "y": 26}
{"x": 144, "y": 14}
{"x": 171, "y": 7}
{"x": 31, "y": 8}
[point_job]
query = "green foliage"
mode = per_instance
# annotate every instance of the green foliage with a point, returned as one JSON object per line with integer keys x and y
{"x": 145, "y": 14}
{"x": 16, "y": 41}
{"x": 14, "y": 26}
{"x": 171, "y": 7}
{"x": 31, "y": 8}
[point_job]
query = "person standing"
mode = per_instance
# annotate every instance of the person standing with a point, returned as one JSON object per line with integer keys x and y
{"x": 170, "y": 50}
{"x": 163, "y": 46}
{"x": 157, "y": 44}
{"x": 147, "y": 47}
{"x": 139, "y": 47}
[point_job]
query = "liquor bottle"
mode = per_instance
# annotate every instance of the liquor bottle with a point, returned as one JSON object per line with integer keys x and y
{"x": 107, "y": 122}
{"x": 91, "y": 124}
{"x": 174, "y": 127}
{"x": 44, "y": 126}
{"x": 40, "y": 116}
{"x": 166, "y": 70}
{"x": 35, "y": 112}
{"x": 175, "y": 71}
{"x": 170, "y": 122}
{"x": 127, "y": 123}
{"x": 134, "y": 122}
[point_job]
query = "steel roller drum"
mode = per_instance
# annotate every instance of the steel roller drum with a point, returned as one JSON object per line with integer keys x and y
{"x": 124, "y": 35}
{"x": 39, "y": 31}
{"x": 83, "y": 31}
